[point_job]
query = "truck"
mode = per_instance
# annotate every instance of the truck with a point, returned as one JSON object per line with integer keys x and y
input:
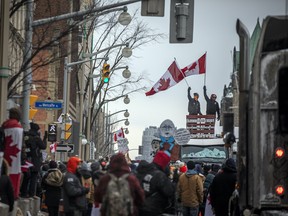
{"x": 262, "y": 156}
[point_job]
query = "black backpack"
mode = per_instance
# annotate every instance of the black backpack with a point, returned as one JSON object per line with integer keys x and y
{"x": 2, "y": 139}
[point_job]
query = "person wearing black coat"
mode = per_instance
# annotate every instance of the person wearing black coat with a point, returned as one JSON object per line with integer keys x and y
{"x": 6, "y": 188}
{"x": 222, "y": 187}
{"x": 34, "y": 144}
{"x": 194, "y": 104}
{"x": 158, "y": 188}
{"x": 52, "y": 182}
{"x": 212, "y": 107}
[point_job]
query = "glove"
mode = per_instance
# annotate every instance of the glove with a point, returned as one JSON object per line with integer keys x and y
{"x": 189, "y": 88}
{"x": 179, "y": 200}
{"x": 204, "y": 88}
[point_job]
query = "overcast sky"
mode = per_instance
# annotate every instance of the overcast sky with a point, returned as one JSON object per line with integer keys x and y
{"x": 215, "y": 33}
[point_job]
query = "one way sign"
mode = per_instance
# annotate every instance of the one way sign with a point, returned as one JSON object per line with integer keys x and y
{"x": 65, "y": 148}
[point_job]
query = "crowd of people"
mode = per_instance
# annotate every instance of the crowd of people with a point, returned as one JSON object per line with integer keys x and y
{"x": 109, "y": 186}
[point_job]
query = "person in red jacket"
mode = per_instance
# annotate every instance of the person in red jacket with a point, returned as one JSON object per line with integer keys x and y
{"x": 118, "y": 167}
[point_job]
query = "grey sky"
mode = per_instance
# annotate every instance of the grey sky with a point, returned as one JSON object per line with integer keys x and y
{"x": 214, "y": 33}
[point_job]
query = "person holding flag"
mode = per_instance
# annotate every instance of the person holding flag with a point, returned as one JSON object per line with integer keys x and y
{"x": 212, "y": 105}
{"x": 194, "y": 104}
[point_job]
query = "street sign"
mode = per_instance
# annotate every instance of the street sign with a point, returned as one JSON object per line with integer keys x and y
{"x": 65, "y": 148}
{"x": 48, "y": 104}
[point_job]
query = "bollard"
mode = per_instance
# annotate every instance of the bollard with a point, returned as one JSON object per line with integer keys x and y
{"x": 15, "y": 207}
{"x": 35, "y": 205}
{"x": 4, "y": 209}
{"x": 24, "y": 205}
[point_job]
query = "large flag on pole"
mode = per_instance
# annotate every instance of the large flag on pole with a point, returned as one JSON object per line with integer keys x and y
{"x": 170, "y": 78}
{"x": 197, "y": 67}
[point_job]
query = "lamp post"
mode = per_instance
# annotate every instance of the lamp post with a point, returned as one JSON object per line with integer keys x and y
{"x": 30, "y": 24}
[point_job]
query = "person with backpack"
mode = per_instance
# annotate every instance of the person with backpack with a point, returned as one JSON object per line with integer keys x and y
{"x": 34, "y": 144}
{"x": 119, "y": 191}
{"x": 159, "y": 189}
{"x": 52, "y": 183}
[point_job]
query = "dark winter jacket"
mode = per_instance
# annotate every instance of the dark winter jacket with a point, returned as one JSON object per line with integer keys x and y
{"x": 118, "y": 166}
{"x": 6, "y": 188}
{"x": 221, "y": 190}
{"x": 74, "y": 194}
{"x": 34, "y": 144}
{"x": 157, "y": 186}
{"x": 193, "y": 105}
{"x": 52, "y": 183}
{"x": 212, "y": 105}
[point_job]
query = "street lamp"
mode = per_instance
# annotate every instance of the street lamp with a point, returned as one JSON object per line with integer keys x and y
{"x": 126, "y": 99}
{"x": 124, "y": 18}
{"x": 126, "y": 73}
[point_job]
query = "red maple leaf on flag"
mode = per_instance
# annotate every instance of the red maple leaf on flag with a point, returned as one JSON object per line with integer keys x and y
{"x": 193, "y": 66}
{"x": 164, "y": 84}
{"x": 10, "y": 150}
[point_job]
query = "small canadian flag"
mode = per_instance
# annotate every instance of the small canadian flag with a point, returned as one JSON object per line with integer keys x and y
{"x": 119, "y": 134}
{"x": 53, "y": 147}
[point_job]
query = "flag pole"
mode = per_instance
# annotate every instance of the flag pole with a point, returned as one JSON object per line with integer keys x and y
{"x": 205, "y": 69}
{"x": 182, "y": 73}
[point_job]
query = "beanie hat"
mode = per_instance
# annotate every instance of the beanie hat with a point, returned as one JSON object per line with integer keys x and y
{"x": 95, "y": 166}
{"x": 34, "y": 126}
{"x": 229, "y": 165}
{"x": 190, "y": 165}
{"x": 52, "y": 164}
{"x": 183, "y": 169}
{"x": 162, "y": 159}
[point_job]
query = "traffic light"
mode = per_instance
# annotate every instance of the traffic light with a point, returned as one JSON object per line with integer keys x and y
{"x": 66, "y": 131}
{"x": 52, "y": 132}
{"x": 105, "y": 73}
{"x": 32, "y": 111}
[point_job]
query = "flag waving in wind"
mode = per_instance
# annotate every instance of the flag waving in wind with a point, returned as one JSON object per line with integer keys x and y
{"x": 170, "y": 78}
{"x": 119, "y": 135}
{"x": 197, "y": 67}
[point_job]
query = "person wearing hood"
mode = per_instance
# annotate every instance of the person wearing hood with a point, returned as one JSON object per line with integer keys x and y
{"x": 159, "y": 189}
{"x": 74, "y": 193}
{"x": 118, "y": 166}
{"x": 190, "y": 191}
{"x": 6, "y": 188}
{"x": 222, "y": 187}
{"x": 52, "y": 182}
{"x": 84, "y": 174}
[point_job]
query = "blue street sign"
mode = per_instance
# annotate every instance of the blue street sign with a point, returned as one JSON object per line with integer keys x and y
{"x": 48, "y": 105}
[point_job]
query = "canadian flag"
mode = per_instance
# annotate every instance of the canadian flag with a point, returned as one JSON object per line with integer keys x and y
{"x": 12, "y": 153}
{"x": 170, "y": 78}
{"x": 119, "y": 135}
{"x": 53, "y": 147}
{"x": 26, "y": 166}
{"x": 197, "y": 67}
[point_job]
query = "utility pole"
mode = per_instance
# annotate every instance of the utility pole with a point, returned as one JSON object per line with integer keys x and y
{"x": 4, "y": 41}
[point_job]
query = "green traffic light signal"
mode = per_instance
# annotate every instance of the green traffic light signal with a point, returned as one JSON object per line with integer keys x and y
{"x": 106, "y": 73}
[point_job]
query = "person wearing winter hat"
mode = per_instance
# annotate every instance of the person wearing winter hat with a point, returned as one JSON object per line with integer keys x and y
{"x": 74, "y": 193}
{"x": 162, "y": 159}
{"x": 52, "y": 182}
{"x": 190, "y": 191}
{"x": 159, "y": 190}
{"x": 212, "y": 107}
{"x": 222, "y": 187}
{"x": 118, "y": 167}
